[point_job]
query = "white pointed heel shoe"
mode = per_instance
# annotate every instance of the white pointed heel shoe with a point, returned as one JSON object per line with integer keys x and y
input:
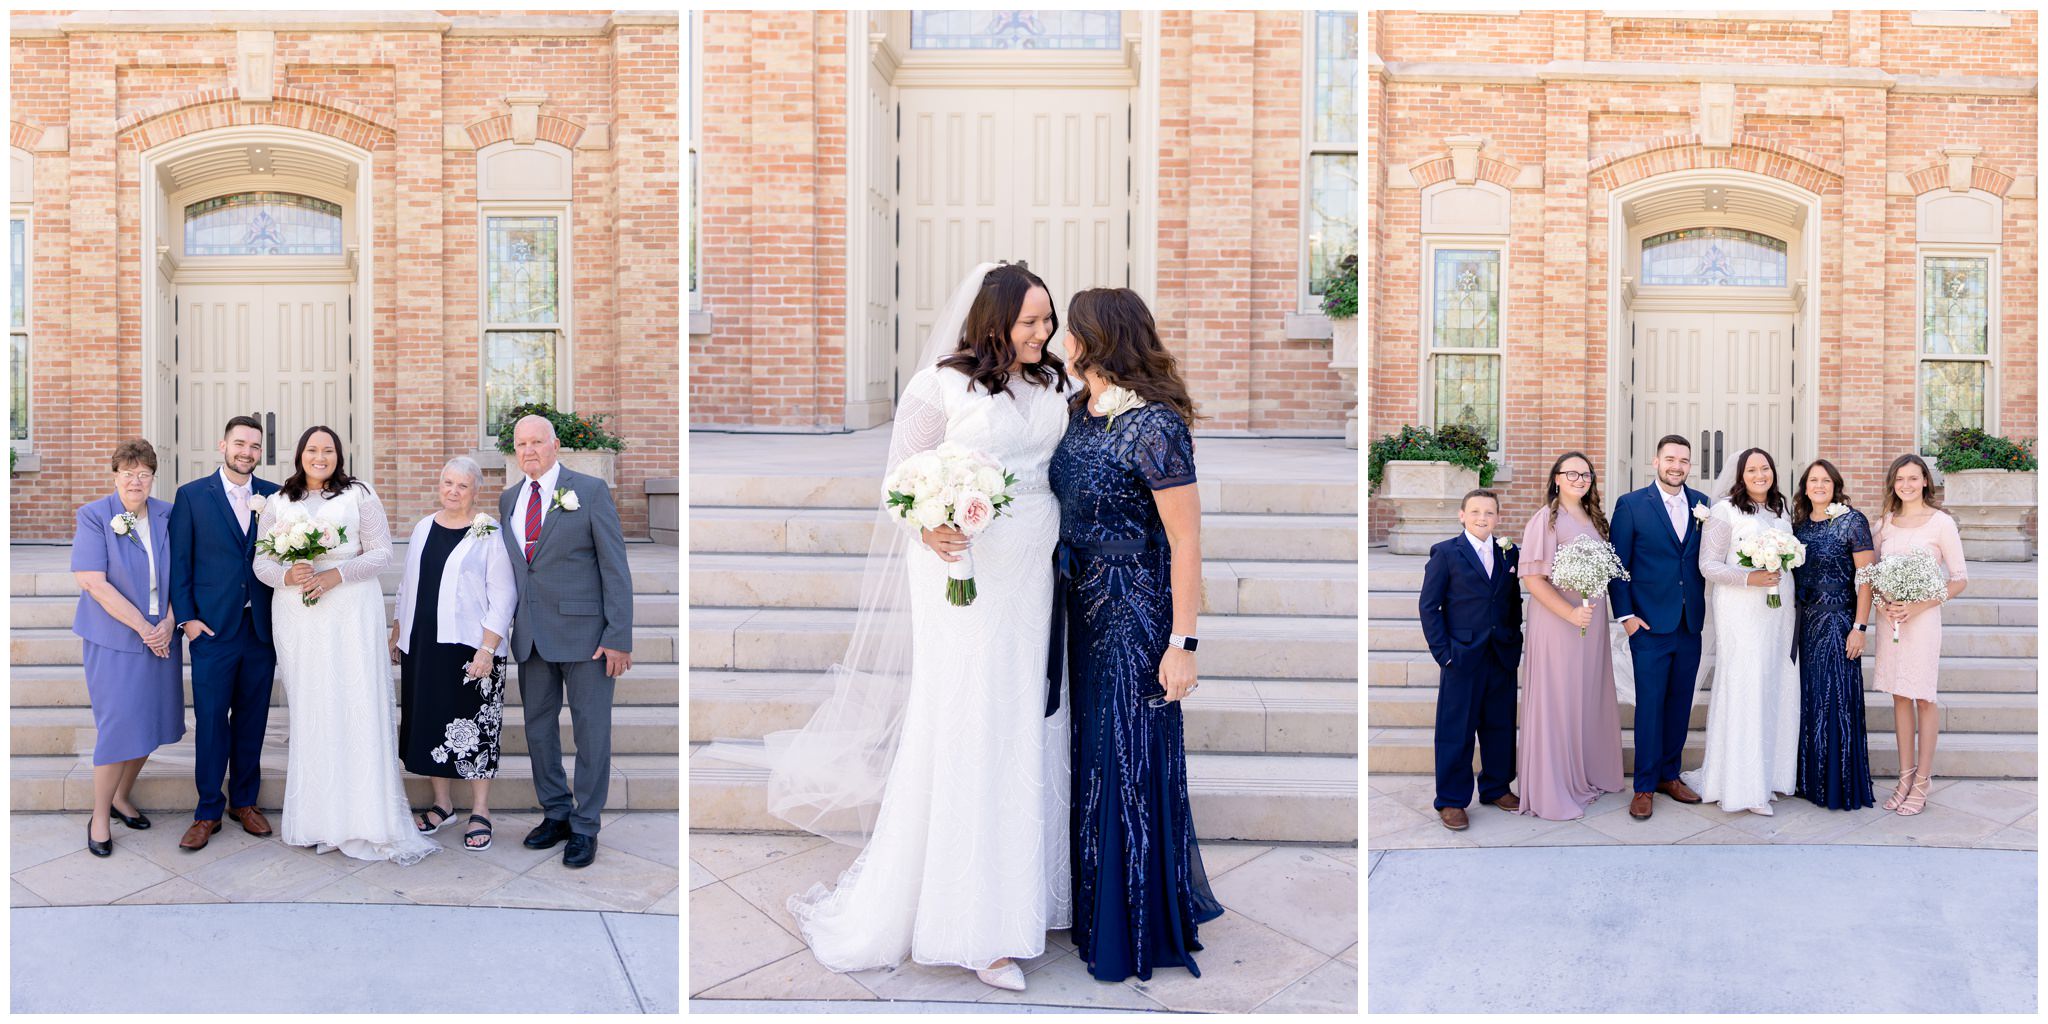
{"x": 1009, "y": 976}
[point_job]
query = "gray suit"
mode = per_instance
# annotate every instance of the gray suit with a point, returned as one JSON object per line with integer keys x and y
{"x": 574, "y": 597}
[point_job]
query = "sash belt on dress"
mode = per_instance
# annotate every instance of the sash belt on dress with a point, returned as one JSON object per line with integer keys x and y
{"x": 1066, "y": 565}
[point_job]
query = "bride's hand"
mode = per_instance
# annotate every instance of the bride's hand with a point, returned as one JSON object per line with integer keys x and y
{"x": 298, "y": 574}
{"x": 1763, "y": 578}
{"x": 322, "y": 582}
{"x": 946, "y": 541}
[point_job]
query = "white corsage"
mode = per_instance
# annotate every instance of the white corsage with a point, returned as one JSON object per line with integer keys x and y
{"x": 482, "y": 526}
{"x": 256, "y": 502}
{"x": 1836, "y": 509}
{"x": 125, "y": 525}
{"x": 566, "y": 500}
{"x": 1116, "y": 401}
{"x": 1504, "y": 543}
{"x": 1700, "y": 511}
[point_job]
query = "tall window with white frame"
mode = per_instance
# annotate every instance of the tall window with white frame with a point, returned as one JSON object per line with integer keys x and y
{"x": 1464, "y": 325}
{"x": 696, "y": 121}
{"x": 1956, "y": 335}
{"x": 18, "y": 315}
{"x": 1330, "y": 170}
{"x": 524, "y": 328}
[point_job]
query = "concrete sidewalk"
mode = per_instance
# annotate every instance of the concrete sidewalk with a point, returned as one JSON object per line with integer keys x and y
{"x": 323, "y": 958}
{"x": 1702, "y": 929}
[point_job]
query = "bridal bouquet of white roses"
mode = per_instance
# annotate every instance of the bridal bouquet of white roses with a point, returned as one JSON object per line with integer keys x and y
{"x": 1585, "y": 567}
{"x": 1771, "y": 551}
{"x": 951, "y": 485}
{"x": 1904, "y": 578}
{"x": 295, "y": 537}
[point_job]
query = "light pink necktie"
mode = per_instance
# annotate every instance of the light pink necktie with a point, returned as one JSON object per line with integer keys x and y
{"x": 241, "y": 501}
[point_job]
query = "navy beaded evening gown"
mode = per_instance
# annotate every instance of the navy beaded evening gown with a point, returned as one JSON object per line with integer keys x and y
{"x": 1139, "y": 887}
{"x": 1834, "y": 757}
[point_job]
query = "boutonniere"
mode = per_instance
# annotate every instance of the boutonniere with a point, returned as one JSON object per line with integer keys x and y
{"x": 1504, "y": 543}
{"x": 1700, "y": 511}
{"x": 1116, "y": 401}
{"x": 1836, "y": 508}
{"x": 256, "y": 503}
{"x": 482, "y": 526}
{"x": 565, "y": 500}
{"x": 125, "y": 525}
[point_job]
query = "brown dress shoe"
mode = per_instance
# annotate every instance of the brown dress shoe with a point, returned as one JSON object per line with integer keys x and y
{"x": 1639, "y": 807}
{"x": 198, "y": 834}
{"x": 1454, "y": 818}
{"x": 252, "y": 820}
{"x": 1679, "y": 791}
{"x": 1508, "y": 802}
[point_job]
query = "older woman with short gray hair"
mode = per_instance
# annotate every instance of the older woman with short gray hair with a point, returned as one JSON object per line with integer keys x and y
{"x": 454, "y": 614}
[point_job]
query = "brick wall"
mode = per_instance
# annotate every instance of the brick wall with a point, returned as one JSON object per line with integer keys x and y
{"x": 396, "y": 94}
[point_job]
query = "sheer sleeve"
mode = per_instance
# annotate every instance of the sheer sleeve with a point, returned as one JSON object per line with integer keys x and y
{"x": 268, "y": 568}
{"x": 920, "y": 427}
{"x": 1717, "y": 558}
{"x": 1949, "y": 541}
{"x": 1859, "y": 533}
{"x": 374, "y": 534}
{"x": 1539, "y": 545}
{"x": 1162, "y": 452}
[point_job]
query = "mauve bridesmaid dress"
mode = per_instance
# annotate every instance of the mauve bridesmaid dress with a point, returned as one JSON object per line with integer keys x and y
{"x": 1570, "y": 747}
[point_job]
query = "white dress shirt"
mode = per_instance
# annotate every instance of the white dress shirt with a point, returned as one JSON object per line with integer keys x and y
{"x": 1484, "y": 550}
{"x": 240, "y": 504}
{"x": 547, "y": 497}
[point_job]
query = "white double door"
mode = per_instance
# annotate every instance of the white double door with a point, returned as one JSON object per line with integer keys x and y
{"x": 1040, "y": 175}
{"x": 280, "y": 352}
{"x": 1722, "y": 380}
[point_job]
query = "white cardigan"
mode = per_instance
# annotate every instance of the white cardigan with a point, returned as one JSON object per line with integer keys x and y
{"x": 477, "y": 590}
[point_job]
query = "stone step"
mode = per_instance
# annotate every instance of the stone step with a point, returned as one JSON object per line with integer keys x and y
{"x": 639, "y": 782}
{"x": 1234, "y": 796}
{"x": 1961, "y": 674}
{"x": 833, "y": 531}
{"x": 1956, "y": 641}
{"x": 61, "y": 583}
{"x": 1225, "y": 715}
{"x": 863, "y": 491}
{"x": 2016, "y": 580}
{"x": 64, "y": 686}
{"x": 70, "y": 730}
{"x": 655, "y": 645}
{"x": 1233, "y": 646}
{"x": 58, "y": 612}
{"x": 1391, "y": 607}
{"x": 834, "y": 581}
{"x": 1970, "y": 755}
{"x": 1415, "y": 707}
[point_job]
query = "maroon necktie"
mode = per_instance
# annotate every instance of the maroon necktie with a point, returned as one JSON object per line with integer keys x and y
{"x": 532, "y": 521}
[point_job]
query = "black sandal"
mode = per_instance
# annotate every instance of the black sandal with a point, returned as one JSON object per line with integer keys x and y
{"x": 426, "y": 829}
{"x": 485, "y": 832}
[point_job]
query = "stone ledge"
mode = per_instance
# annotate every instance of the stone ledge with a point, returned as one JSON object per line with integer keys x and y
{"x": 1308, "y": 327}
{"x": 1478, "y": 73}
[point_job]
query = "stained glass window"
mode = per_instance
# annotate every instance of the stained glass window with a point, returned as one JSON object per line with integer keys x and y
{"x": 519, "y": 367}
{"x": 1332, "y": 214}
{"x": 1015, "y": 30}
{"x": 1330, "y": 201}
{"x": 1468, "y": 393}
{"x": 1951, "y": 395}
{"x": 1714, "y": 256}
{"x": 1465, "y": 314}
{"x": 1955, "y": 307}
{"x": 17, "y": 277}
{"x": 522, "y": 270}
{"x": 1336, "y": 76}
{"x": 263, "y": 224}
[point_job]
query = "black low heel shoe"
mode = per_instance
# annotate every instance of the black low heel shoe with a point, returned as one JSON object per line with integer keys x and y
{"x": 138, "y": 822}
{"x": 98, "y": 848}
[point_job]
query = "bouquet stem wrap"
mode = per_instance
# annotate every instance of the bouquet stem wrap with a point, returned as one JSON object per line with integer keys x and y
{"x": 960, "y": 580}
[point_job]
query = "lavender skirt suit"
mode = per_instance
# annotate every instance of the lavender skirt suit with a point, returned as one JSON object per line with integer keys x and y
{"x": 138, "y": 699}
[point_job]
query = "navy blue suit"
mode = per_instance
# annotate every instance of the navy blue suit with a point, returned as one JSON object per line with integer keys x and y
{"x": 213, "y": 579}
{"x": 1668, "y": 594}
{"x": 1473, "y": 623}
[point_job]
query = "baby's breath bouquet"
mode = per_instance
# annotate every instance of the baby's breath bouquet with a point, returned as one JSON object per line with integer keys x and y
{"x": 1904, "y": 578}
{"x": 1585, "y": 567}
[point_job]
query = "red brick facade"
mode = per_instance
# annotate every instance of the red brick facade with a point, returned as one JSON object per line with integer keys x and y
{"x": 1857, "y": 109}
{"x": 421, "y": 94}
{"x": 775, "y": 150}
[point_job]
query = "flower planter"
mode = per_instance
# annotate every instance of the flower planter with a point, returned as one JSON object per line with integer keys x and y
{"x": 1344, "y": 360}
{"x": 1424, "y": 497}
{"x": 1990, "y": 507}
{"x": 600, "y": 464}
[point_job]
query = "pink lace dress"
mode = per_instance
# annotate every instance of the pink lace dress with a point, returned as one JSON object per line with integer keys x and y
{"x": 1908, "y": 668}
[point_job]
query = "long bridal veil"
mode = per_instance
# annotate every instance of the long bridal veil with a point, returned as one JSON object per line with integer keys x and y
{"x": 827, "y": 777}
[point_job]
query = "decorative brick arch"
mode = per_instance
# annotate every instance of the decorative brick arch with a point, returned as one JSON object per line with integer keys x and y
{"x": 1935, "y": 177}
{"x": 21, "y": 135}
{"x": 1437, "y": 169}
{"x": 223, "y": 107}
{"x": 1752, "y": 153}
{"x": 549, "y": 128}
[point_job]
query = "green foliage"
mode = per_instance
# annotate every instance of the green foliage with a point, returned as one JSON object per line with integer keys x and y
{"x": 1340, "y": 291}
{"x": 1971, "y": 448}
{"x": 1457, "y": 444}
{"x": 577, "y": 433}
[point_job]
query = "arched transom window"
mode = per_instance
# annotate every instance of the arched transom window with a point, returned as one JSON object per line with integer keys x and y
{"x": 263, "y": 224}
{"x": 1714, "y": 256}
{"x": 1015, "y": 30}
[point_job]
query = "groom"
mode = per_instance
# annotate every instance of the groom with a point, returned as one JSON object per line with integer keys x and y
{"x": 572, "y": 630}
{"x": 1663, "y": 606}
{"x": 226, "y": 622}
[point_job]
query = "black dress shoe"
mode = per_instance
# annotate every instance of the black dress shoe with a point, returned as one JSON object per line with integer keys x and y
{"x": 138, "y": 822}
{"x": 546, "y": 834}
{"x": 582, "y": 850}
{"x": 104, "y": 848}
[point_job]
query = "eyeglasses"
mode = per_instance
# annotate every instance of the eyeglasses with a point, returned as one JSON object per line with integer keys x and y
{"x": 140, "y": 476}
{"x": 1574, "y": 476}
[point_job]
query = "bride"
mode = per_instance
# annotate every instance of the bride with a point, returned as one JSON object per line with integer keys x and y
{"x": 341, "y": 787}
{"x": 935, "y": 751}
{"x": 1753, "y": 709}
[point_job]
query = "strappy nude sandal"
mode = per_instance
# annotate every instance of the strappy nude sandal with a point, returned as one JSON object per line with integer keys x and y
{"x": 1905, "y": 786}
{"x": 1916, "y": 801}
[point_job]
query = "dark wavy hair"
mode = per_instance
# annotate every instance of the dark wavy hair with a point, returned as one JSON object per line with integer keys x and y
{"x": 1738, "y": 493}
{"x": 1553, "y": 495}
{"x": 295, "y": 485}
{"x": 1930, "y": 494}
{"x": 1112, "y": 333}
{"x": 985, "y": 352}
{"x": 1802, "y": 506}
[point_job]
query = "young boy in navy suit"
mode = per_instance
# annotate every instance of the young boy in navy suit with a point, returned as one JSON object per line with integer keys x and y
{"x": 1472, "y": 617}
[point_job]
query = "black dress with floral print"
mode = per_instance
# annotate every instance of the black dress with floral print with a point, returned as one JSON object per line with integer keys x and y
{"x": 448, "y": 724}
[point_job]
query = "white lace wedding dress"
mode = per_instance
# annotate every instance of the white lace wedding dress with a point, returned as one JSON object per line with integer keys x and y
{"x": 968, "y": 862}
{"x": 341, "y": 786}
{"x": 1753, "y": 707}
